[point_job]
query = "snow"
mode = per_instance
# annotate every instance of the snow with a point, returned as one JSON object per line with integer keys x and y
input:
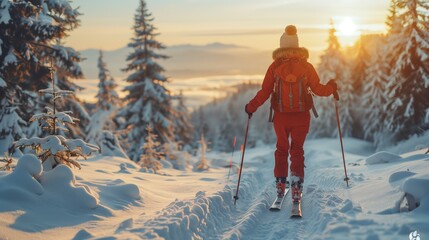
{"x": 2, "y": 82}
{"x": 4, "y": 12}
{"x": 113, "y": 198}
{"x": 382, "y": 157}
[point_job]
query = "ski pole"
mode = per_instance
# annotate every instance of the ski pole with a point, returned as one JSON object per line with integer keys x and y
{"x": 341, "y": 141}
{"x": 242, "y": 159}
{"x": 232, "y": 157}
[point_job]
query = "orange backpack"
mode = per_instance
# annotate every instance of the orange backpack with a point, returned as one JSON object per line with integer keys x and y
{"x": 291, "y": 92}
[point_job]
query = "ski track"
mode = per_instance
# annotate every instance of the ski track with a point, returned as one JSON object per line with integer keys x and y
{"x": 216, "y": 217}
{"x": 257, "y": 222}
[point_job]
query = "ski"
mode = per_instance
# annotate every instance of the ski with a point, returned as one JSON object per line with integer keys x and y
{"x": 296, "y": 210}
{"x": 296, "y": 200}
{"x": 278, "y": 202}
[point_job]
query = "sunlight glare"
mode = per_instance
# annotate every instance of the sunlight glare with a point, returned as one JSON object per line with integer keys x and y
{"x": 348, "y": 27}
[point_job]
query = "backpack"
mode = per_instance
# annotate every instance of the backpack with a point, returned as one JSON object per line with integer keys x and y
{"x": 291, "y": 92}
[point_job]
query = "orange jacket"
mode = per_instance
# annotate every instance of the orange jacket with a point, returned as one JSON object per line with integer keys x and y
{"x": 280, "y": 67}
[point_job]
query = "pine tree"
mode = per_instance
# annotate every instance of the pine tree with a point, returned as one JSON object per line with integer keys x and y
{"x": 10, "y": 127}
{"x": 358, "y": 73}
{"x": 107, "y": 96}
{"x": 408, "y": 85}
{"x": 333, "y": 66}
{"x": 56, "y": 149}
{"x": 107, "y": 105}
{"x": 149, "y": 102}
{"x": 182, "y": 126}
{"x": 29, "y": 36}
{"x": 152, "y": 154}
{"x": 374, "y": 97}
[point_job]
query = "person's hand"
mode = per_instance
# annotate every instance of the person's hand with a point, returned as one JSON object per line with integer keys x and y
{"x": 333, "y": 85}
{"x": 248, "y": 113}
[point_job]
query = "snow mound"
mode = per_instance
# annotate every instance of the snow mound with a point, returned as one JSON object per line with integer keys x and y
{"x": 382, "y": 157}
{"x": 416, "y": 189}
{"x": 60, "y": 185}
{"x": 397, "y": 176}
{"x": 117, "y": 194}
{"x": 22, "y": 181}
{"x": 110, "y": 145}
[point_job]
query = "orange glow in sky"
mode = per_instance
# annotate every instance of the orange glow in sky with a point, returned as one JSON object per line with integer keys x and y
{"x": 107, "y": 24}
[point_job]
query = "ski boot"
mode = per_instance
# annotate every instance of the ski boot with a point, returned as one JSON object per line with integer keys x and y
{"x": 281, "y": 185}
{"x": 296, "y": 189}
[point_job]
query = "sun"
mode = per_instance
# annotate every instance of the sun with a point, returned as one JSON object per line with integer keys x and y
{"x": 347, "y": 27}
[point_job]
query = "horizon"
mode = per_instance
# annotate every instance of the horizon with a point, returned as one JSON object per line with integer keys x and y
{"x": 250, "y": 24}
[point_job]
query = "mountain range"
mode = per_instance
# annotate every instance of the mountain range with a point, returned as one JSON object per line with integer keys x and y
{"x": 187, "y": 61}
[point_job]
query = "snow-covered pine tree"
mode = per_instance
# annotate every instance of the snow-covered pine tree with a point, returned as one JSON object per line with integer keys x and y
{"x": 107, "y": 105}
{"x": 56, "y": 149}
{"x": 408, "y": 85}
{"x": 334, "y": 66}
{"x": 30, "y": 32}
{"x": 374, "y": 97}
{"x": 182, "y": 123}
{"x": 149, "y": 102}
{"x": 10, "y": 127}
{"x": 107, "y": 97}
{"x": 152, "y": 154}
{"x": 358, "y": 74}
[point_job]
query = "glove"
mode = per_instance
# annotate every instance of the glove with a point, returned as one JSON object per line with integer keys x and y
{"x": 248, "y": 113}
{"x": 333, "y": 85}
{"x": 336, "y": 96}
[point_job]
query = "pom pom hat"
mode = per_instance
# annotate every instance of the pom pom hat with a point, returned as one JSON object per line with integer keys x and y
{"x": 289, "y": 39}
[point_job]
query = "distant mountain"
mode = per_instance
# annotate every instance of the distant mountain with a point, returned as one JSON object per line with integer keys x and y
{"x": 187, "y": 61}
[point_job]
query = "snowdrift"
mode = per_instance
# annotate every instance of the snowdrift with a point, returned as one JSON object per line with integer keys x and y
{"x": 49, "y": 199}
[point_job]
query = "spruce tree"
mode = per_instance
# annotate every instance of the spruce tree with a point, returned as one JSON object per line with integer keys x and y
{"x": 358, "y": 74}
{"x": 56, "y": 149}
{"x": 107, "y": 97}
{"x": 107, "y": 105}
{"x": 408, "y": 85}
{"x": 10, "y": 127}
{"x": 374, "y": 98}
{"x": 30, "y": 33}
{"x": 152, "y": 152}
{"x": 182, "y": 126}
{"x": 148, "y": 101}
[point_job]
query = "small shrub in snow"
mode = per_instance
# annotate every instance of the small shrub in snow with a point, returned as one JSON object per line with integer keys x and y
{"x": 56, "y": 149}
{"x": 152, "y": 155}
{"x": 203, "y": 164}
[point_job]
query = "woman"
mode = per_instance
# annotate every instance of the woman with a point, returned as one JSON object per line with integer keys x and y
{"x": 289, "y": 79}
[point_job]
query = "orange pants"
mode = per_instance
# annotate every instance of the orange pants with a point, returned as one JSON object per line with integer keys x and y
{"x": 295, "y": 125}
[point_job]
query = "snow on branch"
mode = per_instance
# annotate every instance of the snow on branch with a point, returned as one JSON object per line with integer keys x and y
{"x": 56, "y": 91}
{"x": 59, "y": 149}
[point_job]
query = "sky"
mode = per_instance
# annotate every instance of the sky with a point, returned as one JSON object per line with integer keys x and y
{"x": 107, "y": 24}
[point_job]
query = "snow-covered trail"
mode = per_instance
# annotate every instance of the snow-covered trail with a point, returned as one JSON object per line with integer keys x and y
{"x": 253, "y": 220}
{"x": 326, "y": 202}
{"x": 188, "y": 205}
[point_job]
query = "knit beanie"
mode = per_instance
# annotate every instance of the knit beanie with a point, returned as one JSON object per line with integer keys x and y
{"x": 289, "y": 39}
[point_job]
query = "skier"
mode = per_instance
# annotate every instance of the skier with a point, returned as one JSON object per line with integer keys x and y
{"x": 289, "y": 79}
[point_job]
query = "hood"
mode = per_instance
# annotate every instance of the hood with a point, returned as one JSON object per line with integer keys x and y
{"x": 290, "y": 52}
